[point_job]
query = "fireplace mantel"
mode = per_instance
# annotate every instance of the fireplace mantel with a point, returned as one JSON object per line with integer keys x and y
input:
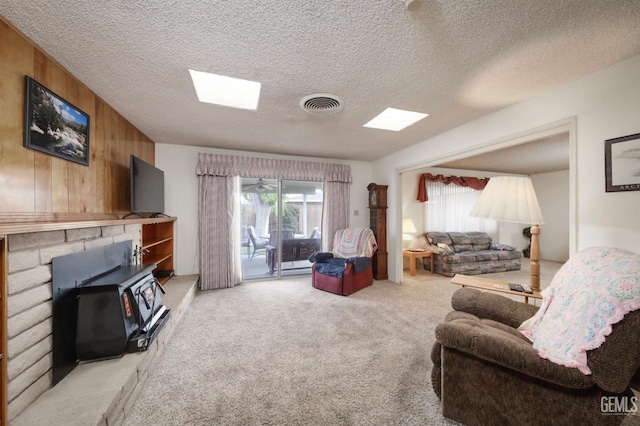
{"x": 22, "y": 224}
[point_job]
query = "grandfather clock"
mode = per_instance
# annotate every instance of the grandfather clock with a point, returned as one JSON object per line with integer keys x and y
{"x": 378, "y": 224}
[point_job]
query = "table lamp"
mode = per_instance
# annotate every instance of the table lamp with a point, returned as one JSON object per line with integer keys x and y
{"x": 512, "y": 199}
{"x": 407, "y": 228}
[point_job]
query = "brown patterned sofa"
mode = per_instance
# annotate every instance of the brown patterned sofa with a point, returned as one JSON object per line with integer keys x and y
{"x": 470, "y": 253}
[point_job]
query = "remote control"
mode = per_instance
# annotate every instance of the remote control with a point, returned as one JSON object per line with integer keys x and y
{"x": 516, "y": 287}
{"x": 526, "y": 289}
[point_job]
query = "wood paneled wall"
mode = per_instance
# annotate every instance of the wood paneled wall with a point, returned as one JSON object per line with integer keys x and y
{"x": 34, "y": 184}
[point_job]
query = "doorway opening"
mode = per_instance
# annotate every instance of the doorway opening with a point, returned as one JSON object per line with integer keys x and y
{"x": 559, "y": 136}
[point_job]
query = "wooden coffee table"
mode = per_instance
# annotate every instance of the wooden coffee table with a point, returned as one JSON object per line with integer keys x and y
{"x": 491, "y": 285}
{"x": 412, "y": 255}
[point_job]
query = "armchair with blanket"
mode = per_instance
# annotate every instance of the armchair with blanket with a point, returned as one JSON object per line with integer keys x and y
{"x": 571, "y": 361}
{"x": 347, "y": 268}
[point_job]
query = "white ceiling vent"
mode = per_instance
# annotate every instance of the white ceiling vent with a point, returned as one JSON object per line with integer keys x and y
{"x": 321, "y": 103}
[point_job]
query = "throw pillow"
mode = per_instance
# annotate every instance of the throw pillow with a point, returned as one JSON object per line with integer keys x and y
{"x": 498, "y": 246}
{"x": 435, "y": 249}
{"x": 446, "y": 248}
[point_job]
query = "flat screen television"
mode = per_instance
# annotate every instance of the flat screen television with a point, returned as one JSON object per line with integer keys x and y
{"x": 147, "y": 188}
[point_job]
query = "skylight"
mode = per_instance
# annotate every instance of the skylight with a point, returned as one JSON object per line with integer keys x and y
{"x": 395, "y": 119}
{"x": 226, "y": 91}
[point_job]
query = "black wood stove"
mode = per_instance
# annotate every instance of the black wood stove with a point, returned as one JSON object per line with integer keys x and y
{"x": 103, "y": 307}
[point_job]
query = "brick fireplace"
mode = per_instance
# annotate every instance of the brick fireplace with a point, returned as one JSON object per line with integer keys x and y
{"x": 29, "y": 306}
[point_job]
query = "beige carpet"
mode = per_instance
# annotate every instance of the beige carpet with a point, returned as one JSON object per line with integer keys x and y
{"x": 283, "y": 353}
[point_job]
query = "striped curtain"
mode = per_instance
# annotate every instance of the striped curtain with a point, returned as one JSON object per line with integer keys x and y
{"x": 271, "y": 168}
{"x": 335, "y": 211}
{"x": 216, "y": 244}
{"x": 219, "y": 266}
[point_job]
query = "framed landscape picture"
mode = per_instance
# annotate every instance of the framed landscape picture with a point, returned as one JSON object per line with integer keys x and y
{"x": 622, "y": 163}
{"x": 54, "y": 126}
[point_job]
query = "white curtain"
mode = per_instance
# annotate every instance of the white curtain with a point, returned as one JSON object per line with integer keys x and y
{"x": 448, "y": 210}
{"x": 218, "y": 206}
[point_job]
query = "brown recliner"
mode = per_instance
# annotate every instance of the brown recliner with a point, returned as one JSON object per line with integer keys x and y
{"x": 487, "y": 373}
{"x": 347, "y": 268}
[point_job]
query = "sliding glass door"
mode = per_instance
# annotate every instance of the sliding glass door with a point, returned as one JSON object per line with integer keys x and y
{"x": 280, "y": 226}
{"x": 301, "y": 218}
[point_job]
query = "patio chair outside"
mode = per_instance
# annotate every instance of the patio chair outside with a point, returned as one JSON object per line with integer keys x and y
{"x": 257, "y": 242}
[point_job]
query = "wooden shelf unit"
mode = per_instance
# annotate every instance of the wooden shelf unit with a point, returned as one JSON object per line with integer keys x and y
{"x": 157, "y": 246}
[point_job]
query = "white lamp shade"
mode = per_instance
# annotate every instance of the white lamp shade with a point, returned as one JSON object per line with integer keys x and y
{"x": 509, "y": 199}
{"x": 407, "y": 226}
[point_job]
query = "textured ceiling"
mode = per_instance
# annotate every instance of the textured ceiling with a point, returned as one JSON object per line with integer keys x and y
{"x": 456, "y": 60}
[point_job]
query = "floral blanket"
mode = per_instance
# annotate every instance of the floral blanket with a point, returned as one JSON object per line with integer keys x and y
{"x": 590, "y": 293}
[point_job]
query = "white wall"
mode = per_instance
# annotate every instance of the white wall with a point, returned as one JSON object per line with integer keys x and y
{"x": 552, "y": 190}
{"x": 606, "y": 105}
{"x": 411, "y": 207}
{"x": 181, "y": 194}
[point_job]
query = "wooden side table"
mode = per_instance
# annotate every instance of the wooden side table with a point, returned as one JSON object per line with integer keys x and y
{"x": 412, "y": 255}
{"x": 492, "y": 285}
